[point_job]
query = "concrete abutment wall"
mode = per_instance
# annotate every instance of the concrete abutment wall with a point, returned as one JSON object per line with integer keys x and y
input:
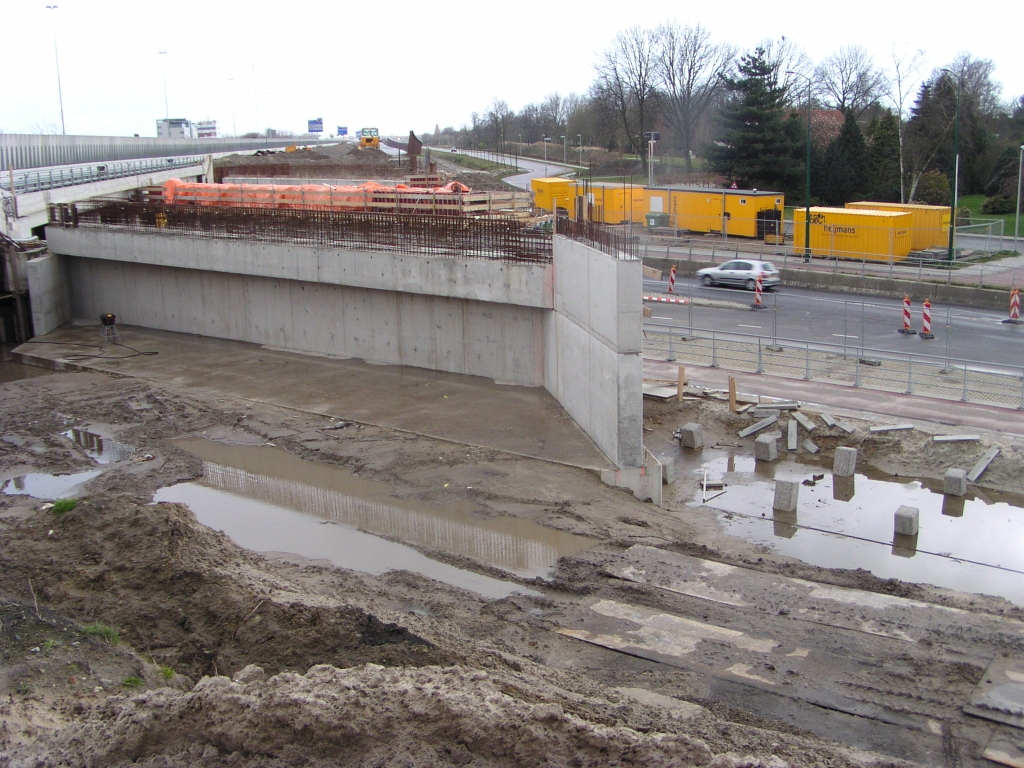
{"x": 572, "y": 326}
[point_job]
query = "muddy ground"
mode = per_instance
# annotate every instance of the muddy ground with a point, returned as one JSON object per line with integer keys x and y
{"x": 122, "y": 622}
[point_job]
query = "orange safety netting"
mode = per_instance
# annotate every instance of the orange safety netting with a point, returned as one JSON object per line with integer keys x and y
{"x": 310, "y": 196}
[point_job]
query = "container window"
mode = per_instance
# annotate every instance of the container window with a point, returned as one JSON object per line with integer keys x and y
{"x": 778, "y": 201}
{"x": 743, "y": 201}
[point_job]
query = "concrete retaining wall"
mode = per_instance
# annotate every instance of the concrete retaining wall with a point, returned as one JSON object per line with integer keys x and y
{"x": 526, "y": 285}
{"x": 482, "y": 339}
{"x": 49, "y": 292}
{"x": 593, "y": 348}
{"x": 939, "y": 293}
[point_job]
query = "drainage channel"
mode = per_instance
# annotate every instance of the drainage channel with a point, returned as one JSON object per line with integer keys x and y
{"x": 970, "y": 544}
{"x": 271, "y": 501}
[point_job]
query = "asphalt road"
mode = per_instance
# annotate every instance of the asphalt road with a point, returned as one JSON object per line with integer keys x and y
{"x": 824, "y": 317}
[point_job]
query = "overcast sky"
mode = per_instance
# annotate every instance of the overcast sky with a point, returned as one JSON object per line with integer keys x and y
{"x": 402, "y": 65}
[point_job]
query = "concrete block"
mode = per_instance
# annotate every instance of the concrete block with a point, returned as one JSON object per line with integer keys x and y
{"x": 891, "y": 427}
{"x": 786, "y": 494}
{"x": 907, "y": 521}
{"x": 847, "y": 428}
{"x": 844, "y": 464}
{"x": 827, "y": 418}
{"x": 810, "y": 447}
{"x": 691, "y": 436}
{"x": 979, "y": 469}
{"x": 805, "y": 422}
{"x": 791, "y": 436}
{"x": 766, "y": 448}
{"x": 954, "y": 483}
{"x": 668, "y": 469}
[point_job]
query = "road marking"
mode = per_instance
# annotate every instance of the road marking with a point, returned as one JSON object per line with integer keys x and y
{"x": 740, "y": 325}
{"x": 661, "y": 317}
{"x": 844, "y": 335}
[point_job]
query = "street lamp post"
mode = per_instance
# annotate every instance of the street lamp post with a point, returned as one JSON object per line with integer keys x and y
{"x": 950, "y": 254}
{"x": 565, "y": 147}
{"x": 234, "y": 125}
{"x": 807, "y": 175}
{"x": 1016, "y": 222}
{"x": 163, "y": 64}
{"x": 579, "y": 140}
{"x": 56, "y": 58}
{"x": 546, "y": 140}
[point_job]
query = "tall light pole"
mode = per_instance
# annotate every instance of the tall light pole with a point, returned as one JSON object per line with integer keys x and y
{"x": 163, "y": 64}
{"x": 60, "y": 93}
{"x": 807, "y": 175}
{"x": 579, "y": 140}
{"x": 950, "y": 254}
{"x": 1016, "y": 222}
{"x": 546, "y": 140}
{"x": 565, "y": 148}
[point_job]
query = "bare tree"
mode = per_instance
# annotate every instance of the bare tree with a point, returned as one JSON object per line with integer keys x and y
{"x": 626, "y": 84}
{"x": 499, "y": 117}
{"x": 850, "y": 81}
{"x": 689, "y": 70}
{"x": 786, "y": 57}
{"x": 902, "y": 83}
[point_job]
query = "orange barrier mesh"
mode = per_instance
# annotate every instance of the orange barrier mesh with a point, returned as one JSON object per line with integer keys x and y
{"x": 368, "y": 196}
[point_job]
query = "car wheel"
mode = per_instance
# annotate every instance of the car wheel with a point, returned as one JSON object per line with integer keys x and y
{"x": 751, "y": 285}
{"x": 706, "y": 281}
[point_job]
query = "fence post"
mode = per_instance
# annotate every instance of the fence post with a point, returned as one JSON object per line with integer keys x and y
{"x": 714, "y": 351}
{"x": 910, "y": 375}
{"x": 1021, "y": 406}
{"x": 963, "y": 397}
{"x": 807, "y": 362}
{"x": 760, "y": 367}
{"x": 689, "y": 256}
{"x": 671, "y": 353}
{"x": 856, "y": 370}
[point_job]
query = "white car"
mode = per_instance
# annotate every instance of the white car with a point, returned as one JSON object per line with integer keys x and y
{"x": 741, "y": 272}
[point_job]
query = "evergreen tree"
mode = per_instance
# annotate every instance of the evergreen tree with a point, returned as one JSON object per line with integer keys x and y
{"x": 844, "y": 168}
{"x": 761, "y": 146}
{"x": 883, "y": 184}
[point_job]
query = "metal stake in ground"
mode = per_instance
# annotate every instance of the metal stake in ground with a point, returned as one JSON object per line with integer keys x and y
{"x": 906, "y": 318}
{"x": 672, "y": 279}
{"x": 758, "y": 287}
{"x": 1014, "y": 307}
{"x": 926, "y": 320}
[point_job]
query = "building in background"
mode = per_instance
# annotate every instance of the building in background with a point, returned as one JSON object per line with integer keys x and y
{"x": 175, "y": 128}
{"x": 206, "y": 129}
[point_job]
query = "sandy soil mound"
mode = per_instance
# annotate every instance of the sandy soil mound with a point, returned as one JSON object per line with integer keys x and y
{"x": 364, "y": 716}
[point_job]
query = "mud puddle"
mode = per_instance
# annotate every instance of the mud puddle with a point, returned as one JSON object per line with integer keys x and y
{"x": 48, "y": 487}
{"x": 971, "y": 544}
{"x": 269, "y": 500}
{"x": 102, "y": 450}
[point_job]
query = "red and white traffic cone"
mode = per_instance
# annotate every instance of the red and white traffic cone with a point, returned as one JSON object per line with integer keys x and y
{"x": 758, "y": 287}
{"x": 1014, "y": 307}
{"x": 672, "y": 279}
{"x": 926, "y": 320}
{"x": 906, "y": 318}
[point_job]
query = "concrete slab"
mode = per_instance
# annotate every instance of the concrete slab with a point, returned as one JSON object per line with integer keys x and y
{"x": 891, "y": 427}
{"x": 465, "y": 409}
{"x": 979, "y": 469}
{"x": 805, "y": 422}
{"x": 1000, "y": 694}
{"x": 827, "y": 418}
{"x": 847, "y": 428}
{"x": 810, "y": 447}
{"x": 791, "y": 436}
{"x": 956, "y": 438}
{"x": 758, "y": 426}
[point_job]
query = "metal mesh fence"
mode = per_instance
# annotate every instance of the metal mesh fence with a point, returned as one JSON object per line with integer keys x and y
{"x": 946, "y": 379}
{"x": 492, "y": 238}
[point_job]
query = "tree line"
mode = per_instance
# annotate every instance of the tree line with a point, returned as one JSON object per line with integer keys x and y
{"x": 878, "y": 132}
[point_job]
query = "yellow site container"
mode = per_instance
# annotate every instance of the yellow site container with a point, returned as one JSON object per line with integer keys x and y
{"x": 929, "y": 224}
{"x": 703, "y": 209}
{"x": 847, "y": 233}
{"x": 617, "y": 204}
{"x": 552, "y": 191}
{"x": 655, "y": 201}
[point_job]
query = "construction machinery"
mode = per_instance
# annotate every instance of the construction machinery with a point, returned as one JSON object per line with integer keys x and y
{"x": 369, "y": 137}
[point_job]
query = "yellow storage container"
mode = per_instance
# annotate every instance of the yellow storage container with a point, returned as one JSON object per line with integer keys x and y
{"x": 698, "y": 210}
{"x": 655, "y": 201}
{"x": 929, "y": 224}
{"x": 703, "y": 209}
{"x": 742, "y": 207}
{"x": 552, "y": 191}
{"x": 617, "y": 204}
{"x": 847, "y": 233}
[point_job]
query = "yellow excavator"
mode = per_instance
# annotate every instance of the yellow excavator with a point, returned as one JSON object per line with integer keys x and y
{"x": 369, "y": 137}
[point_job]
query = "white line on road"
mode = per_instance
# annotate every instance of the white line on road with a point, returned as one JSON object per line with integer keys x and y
{"x": 661, "y": 317}
{"x": 844, "y": 335}
{"x": 740, "y": 325}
